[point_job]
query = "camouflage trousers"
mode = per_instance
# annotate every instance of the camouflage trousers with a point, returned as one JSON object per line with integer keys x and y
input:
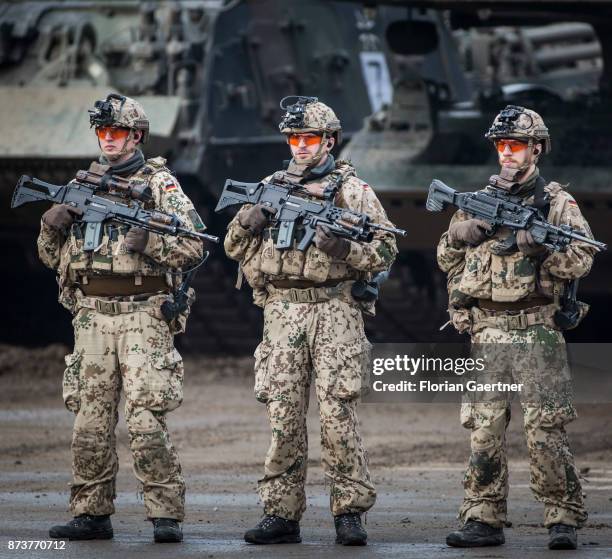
{"x": 324, "y": 340}
{"x": 133, "y": 351}
{"x": 536, "y": 358}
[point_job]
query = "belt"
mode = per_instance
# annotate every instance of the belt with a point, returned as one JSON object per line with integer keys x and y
{"x": 118, "y": 286}
{"x": 152, "y": 305}
{"x": 312, "y": 294}
{"x": 507, "y": 306}
{"x": 508, "y": 320}
{"x": 305, "y": 284}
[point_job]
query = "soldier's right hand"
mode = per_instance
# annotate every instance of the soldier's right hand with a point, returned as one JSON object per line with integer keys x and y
{"x": 471, "y": 232}
{"x": 61, "y": 216}
{"x": 256, "y": 218}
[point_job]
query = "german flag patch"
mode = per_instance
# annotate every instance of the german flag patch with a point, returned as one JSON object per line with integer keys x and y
{"x": 170, "y": 185}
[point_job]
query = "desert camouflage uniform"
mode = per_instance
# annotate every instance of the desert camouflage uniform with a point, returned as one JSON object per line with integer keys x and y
{"x": 124, "y": 342}
{"x": 318, "y": 330}
{"x": 536, "y": 357}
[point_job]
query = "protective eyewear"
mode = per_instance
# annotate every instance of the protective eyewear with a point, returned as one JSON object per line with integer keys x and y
{"x": 514, "y": 145}
{"x": 308, "y": 139}
{"x": 115, "y": 132}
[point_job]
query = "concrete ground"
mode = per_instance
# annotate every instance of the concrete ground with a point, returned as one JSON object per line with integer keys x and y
{"x": 417, "y": 454}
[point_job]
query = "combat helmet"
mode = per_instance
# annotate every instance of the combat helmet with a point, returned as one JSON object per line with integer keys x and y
{"x": 117, "y": 110}
{"x": 308, "y": 114}
{"x": 520, "y": 123}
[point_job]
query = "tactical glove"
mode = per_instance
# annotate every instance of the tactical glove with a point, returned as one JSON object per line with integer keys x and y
{"x": 61, "y": 217}
{"x": 331, "y": 244}
{"x": 136, "y": 239}
{"x": 471, "y": 232}
{"x": 256, "y": 218}
{"x": 527, "y": 244}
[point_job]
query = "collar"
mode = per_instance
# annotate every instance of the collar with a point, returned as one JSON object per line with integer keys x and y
{"x": 527, "y": 187}
{"x": 323, "y": 169}
{"x": 506, "y": 180}
{"x": 126, "y": 168}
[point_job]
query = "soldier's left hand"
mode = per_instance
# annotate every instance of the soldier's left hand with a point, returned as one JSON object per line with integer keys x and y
{"x": 335, "y": 246}
{"x": 527, "y": 244}
{"x": 136, "y": 239}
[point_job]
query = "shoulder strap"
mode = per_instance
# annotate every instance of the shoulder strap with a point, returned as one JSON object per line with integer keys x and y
{"x": 540, "y": 199}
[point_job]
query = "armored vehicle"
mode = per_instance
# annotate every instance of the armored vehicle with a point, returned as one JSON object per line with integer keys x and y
{"x": 210, "y": 74}
{"x": 455, "y": 65}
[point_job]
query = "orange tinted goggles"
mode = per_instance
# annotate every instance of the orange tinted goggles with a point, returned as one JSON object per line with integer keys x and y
{"x": 308, "y": 139}
{"x": 514, "y": 145}
{"x": 115, "y": 132}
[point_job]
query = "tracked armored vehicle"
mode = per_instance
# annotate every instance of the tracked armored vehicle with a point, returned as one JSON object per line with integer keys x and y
{"x": 456, "y": 64}
{"x": 210, "y": 74}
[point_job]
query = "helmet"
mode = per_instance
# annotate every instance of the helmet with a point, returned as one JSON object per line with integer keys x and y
{"x": 117, "y": 110}
{"x": 521, "y": 124}
{"x": 308, "y": 114}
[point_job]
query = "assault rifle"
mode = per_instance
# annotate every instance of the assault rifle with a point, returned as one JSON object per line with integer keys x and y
{"x": 293, "y": 208}
{"x": 502, "y": 210}
{"x": 83, "y": 194}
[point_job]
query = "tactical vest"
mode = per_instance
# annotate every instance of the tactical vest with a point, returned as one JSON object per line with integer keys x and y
{"x": 263, "y": 262}
{"x": 510, "y": 278}
{"x": 111, "y": 256}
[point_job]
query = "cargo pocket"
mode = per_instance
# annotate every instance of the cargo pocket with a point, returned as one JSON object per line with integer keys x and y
{"x": 71, "y": 381}
{"x": 164, "y": 384}
{"x": 550, "y": 417}
{"x": 262, "y": 372}
{"x": 351, "y": 372}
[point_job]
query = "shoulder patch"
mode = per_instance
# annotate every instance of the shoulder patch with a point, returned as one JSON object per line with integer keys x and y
{"x": 196, "y": 220}
{"x": 169, "y": 185}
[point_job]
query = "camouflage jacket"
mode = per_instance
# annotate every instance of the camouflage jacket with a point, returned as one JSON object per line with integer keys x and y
{"x": 261, "y": 262}
{"x": 65, "y": 254}
{"x": 478, "y": 273}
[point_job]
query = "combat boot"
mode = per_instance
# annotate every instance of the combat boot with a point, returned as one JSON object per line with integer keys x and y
{"x": 166, "y": 530}
{"x": 274, "y": 529}
{"x": 476, "y": 534}
{"x": 349, "y": 530}
{"x": 562, "y": 536}
{"x": 84, "y": 527}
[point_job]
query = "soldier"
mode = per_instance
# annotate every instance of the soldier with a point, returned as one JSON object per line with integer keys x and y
{"x": 312, "y": 324}
{"x": 121, "y": 339}
{"x": 504, "y": 298}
